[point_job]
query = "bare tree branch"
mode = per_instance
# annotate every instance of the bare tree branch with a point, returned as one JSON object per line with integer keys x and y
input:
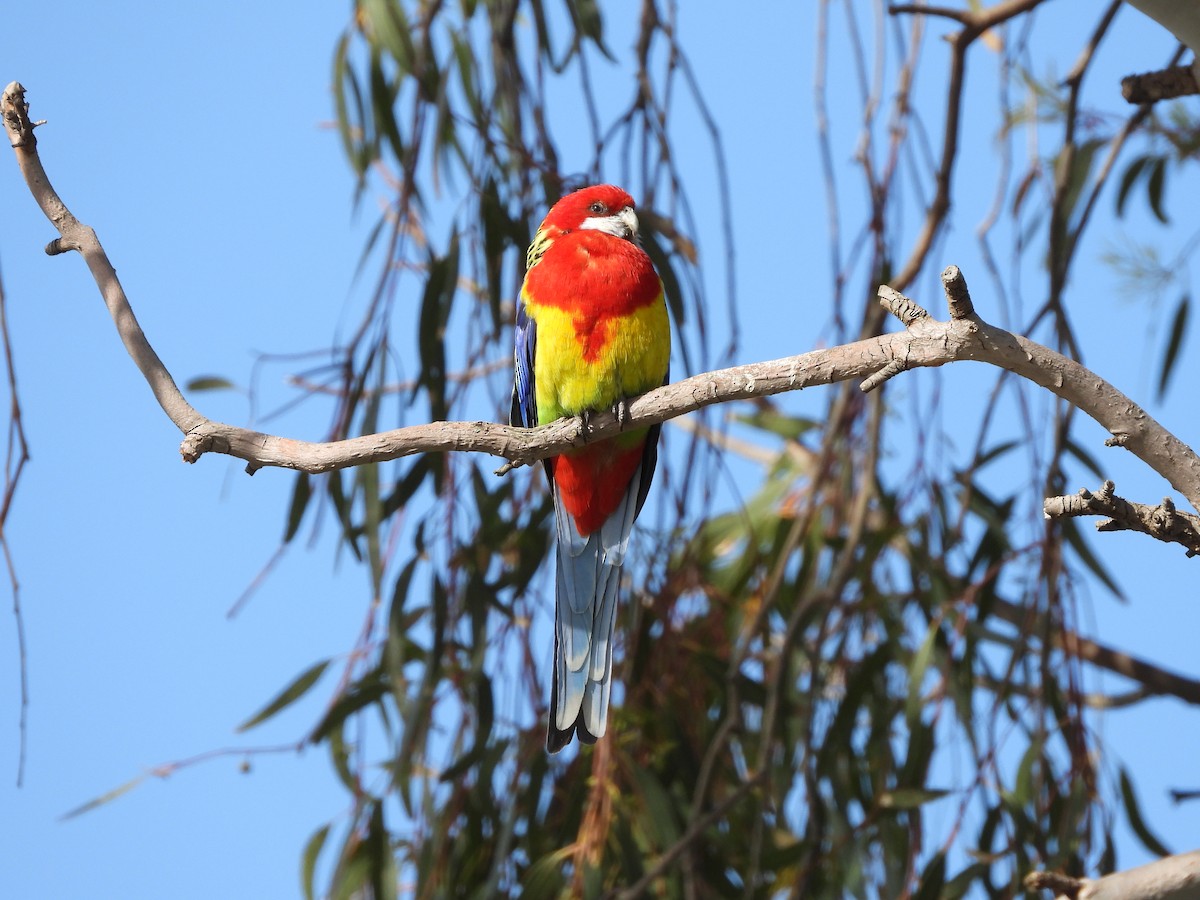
{"x": 74, "y": 235}
{"x": 1171, "y": 878}
{"x": 1163, "y": 522}
{"x": 1163, "y": 84}
{"x": 924, "y": 342}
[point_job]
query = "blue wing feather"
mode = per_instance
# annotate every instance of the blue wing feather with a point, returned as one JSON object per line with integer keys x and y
{"x": 524, "y": 400}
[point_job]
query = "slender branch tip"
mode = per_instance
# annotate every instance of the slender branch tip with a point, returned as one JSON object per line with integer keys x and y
{"x": 904, "y": 309}
{"x": 1063, "y": 885}
{"x": 59, "y": 246}
{"x": 889, "y": 371}
{"x": 957, "y": 296}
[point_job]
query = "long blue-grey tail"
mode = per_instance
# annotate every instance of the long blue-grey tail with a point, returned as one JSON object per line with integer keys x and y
{"x": 588, "y": 574}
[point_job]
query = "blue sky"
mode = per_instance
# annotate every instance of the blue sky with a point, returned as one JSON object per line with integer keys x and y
{"x": 196, "y": 145}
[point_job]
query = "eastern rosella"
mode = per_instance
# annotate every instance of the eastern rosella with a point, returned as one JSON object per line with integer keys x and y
{"x": 591, "y": 330}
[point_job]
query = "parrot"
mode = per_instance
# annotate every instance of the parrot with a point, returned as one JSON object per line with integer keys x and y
{"x": 591, "y": 331}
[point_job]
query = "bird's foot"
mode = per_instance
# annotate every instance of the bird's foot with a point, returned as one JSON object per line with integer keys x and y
{"x": 620, "y": 409}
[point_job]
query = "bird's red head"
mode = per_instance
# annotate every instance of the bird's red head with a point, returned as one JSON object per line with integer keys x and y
{"x": 604, "y": 207}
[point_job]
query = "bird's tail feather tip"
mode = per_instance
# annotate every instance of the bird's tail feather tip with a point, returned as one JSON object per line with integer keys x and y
{"x": 558, "y": 738}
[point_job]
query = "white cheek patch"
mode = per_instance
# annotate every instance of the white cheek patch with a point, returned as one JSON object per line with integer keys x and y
{"x": 623, "y": 224}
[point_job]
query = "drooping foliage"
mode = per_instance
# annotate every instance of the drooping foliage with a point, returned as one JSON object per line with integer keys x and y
{"x": 863, "y": 677}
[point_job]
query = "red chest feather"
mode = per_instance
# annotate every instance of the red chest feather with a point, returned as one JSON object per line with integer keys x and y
{"x": 592, "y": 482}
{"x": 594, "y": 274}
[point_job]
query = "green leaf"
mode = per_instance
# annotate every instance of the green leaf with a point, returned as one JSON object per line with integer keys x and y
{"x": 383, "y": 100}
{"x": 994, "y": 453}
{"x": 496, "y": 226}
{"x": 1136, "y": 822}
{"x": 1081, "y": 166}
{"x": 350, "y": 883}
{"x": 916, "y": 672}
{"x": 211, "y": 383}
{"x": 918, "y": 755}
{"x": 670, "y": 281}
{"x": 910, "y": 798}
{"x": 1088, "y": 461}
{"x": 960, "y": 884}
{"x": 662, "y": 821}
{"x": 348, "y": 105}
{"x": 368, "y": 478}
{"x": 775, "y": 422}
{"x": 339, "y": 755}
{"x": 1080, "y": 545}
{"x": 1132, "y": 172}
{"x": 367, "y": 690}
{"x": 544, "y": 878}
{"x": 377, "y": 847}
{"x": 308, "y": 864}
{"x": 932, "y": 879}
{"x": 464, "y": 55}
{"x": 103, "y": 798}
{"x": 1154, "y": 188}
{"x": 369, "y": 245}
{"x": 440, "y": 288}
{"x": 288, "y": 695}
{"x": 485, "y": 716}
{"x": 861, "y": 682}
{"x": 590, "y": 23}
{"x": 341, "y": 505}
{"x": 407, "y": 486}
{"x": 300, "y": 496}
{"x": 1023, "y": 788}
{"x": 396, "y": 652}
{"x": 417, "y": 712}
{"x": 388, "y": 28}
{"x": 1179, "y": 324}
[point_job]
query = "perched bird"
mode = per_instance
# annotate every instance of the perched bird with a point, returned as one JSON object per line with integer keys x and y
{"x": 592, "y": 330}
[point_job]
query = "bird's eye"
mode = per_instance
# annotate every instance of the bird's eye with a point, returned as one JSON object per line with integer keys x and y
{"x": 598, "y": 208}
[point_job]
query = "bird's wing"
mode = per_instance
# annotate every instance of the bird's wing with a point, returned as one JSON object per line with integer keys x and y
{"x": 649, "y": 460}
{"x": 524, "y": 399}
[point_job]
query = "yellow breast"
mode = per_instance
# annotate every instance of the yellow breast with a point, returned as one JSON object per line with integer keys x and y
{"x": 586, "y": 364}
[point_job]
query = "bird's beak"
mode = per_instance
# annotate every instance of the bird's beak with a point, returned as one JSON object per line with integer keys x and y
{"x": 629, "y": 222}
{"x": 623, "y": 224}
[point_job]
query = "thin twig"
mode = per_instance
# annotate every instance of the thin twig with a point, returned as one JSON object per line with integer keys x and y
{"x": 1163, "y": 84}
{"x": 74, "y": 235}
{"x": 975, "y": 23}
{"x": 16, "y": 456}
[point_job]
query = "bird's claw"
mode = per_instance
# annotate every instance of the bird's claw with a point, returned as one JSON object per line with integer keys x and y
{"x": 620, "y": 409}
